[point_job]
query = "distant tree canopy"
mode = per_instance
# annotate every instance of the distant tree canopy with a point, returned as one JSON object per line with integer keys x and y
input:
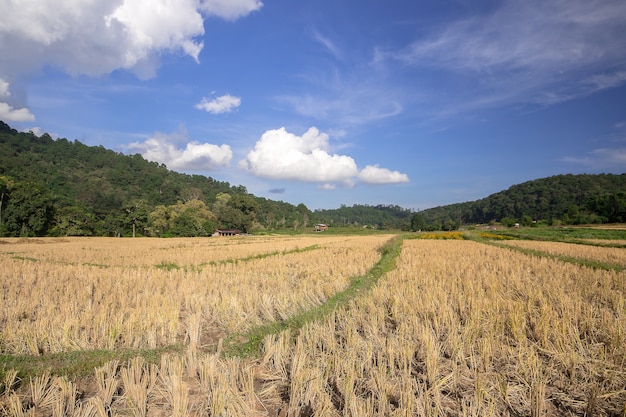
{"x": 380, "y": 216}
{"x": 569, "y": 199}
{"x": 59, "y": 187}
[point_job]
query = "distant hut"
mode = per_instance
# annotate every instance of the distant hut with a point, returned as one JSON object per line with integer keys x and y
{"x": 320, "y": 227}
{"x": 227, "y": 232}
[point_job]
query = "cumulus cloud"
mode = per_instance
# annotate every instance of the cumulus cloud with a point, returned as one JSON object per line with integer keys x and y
{"x": 222, "y": 104}
{"x": 283, "y": 155}
{"x": 373, "y": 174}
{"x": 95, "y": 37}
{"x": 7, "y": 112}
{"x": 37, "y": 131}
{"x": 194, "y": 156}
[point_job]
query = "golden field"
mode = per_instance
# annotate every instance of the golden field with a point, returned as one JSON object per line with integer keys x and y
{"x": 69, "y": 294}
{"x": 458, "y": 328}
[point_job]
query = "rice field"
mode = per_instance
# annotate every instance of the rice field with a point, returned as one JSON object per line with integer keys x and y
{"x": 58, "y": 295}
{"x": 457, "y": 328}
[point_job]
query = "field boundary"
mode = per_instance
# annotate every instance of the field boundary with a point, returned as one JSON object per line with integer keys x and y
{"x": 569, "y": 259}
{"x": 249, "y": 344}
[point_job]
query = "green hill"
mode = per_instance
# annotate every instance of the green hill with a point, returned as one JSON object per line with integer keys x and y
{"x": 61, "y": 187}
{"x": 570, "y": 199}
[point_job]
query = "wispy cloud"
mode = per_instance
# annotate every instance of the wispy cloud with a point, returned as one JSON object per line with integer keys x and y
{"x": 344, "y": 100}
{"x": 531, "y": 51}
{"x": 601, "y": 159}
{"x": 329, "y": 45}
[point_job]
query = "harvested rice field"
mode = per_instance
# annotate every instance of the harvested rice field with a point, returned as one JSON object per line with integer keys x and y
{"x": 447, "y": 328}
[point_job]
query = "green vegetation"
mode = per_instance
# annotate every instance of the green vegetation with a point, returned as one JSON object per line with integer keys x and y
{"x": 557, "y": 200}
{"x": 566, "y": 233}
{"x": 359, "y": 216}
{"x": 76, "y": 363}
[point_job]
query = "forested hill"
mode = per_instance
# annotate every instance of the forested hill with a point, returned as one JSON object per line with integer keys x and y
{"x": 61, "y": 187}
{"x": 567, "y": 199}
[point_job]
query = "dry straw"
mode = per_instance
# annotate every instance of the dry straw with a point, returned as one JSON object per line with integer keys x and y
{"x": 458, "y": 328}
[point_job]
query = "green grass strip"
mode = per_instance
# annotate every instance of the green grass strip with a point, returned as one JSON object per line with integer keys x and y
{"x": 76, "y": 363}
{"x": 249, "y": 344}
{"x": 575, "y": 241}
{"x": 261, "y": 256}
{"x": 570, "y": 259}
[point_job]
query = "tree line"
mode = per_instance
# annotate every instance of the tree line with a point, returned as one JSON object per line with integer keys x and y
{"x": 557, "y": 200}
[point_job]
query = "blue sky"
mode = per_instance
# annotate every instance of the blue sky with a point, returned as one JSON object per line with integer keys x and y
{"x": 414, "y": 103}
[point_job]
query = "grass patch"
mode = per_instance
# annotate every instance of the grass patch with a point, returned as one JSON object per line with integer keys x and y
{"x": 79, "y": 363}
{"x": 25, "y": 258}
{"x": 168, "y": 266}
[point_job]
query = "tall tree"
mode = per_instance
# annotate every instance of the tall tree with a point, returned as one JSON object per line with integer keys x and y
{"x": 6, "y": 184}
{"x": 29, "y": 211}
{"x": 136, "y": 213}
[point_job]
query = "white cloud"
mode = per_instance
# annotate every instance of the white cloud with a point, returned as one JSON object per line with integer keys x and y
{"x": 36, "y": 130}
{"x": 222, "y": 104}
{"x": 230, "y": 9}
{"x": 541, "y": 51}
{"x": 95, "y": 37}
{"x": 283, "y": 155}
{"x": 329, "y": 45}
{"x": 373, "y": 174}
{"x": 601, "y": 159}
{"x": 7, "y": 112}
{"x": 194, "y": 156}
{"x": 345, "y": 102}
{"x": 4, "y": 89}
